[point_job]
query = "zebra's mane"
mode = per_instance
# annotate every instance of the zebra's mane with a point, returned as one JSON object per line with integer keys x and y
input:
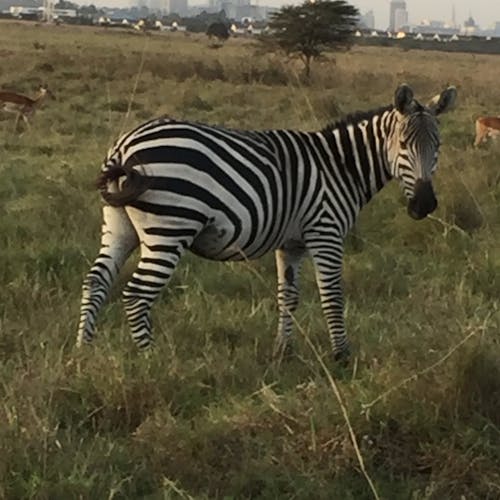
{"x": 356, "y": 117}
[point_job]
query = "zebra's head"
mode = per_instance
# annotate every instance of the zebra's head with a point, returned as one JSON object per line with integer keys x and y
{"x": 413, "y": 147}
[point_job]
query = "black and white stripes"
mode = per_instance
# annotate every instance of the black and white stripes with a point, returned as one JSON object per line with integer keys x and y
{"x": 224, "y": 194}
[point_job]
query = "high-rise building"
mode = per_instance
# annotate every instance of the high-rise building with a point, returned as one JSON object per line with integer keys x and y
{"x": 214, "y": 5}
{"x": 177, "y": 7}
{"x": 367, "y": 20}
{"x": 395, "y": 6}
{"x": 158, "y": 6}
{"x": 229, "y": 8}
{"x": 400, "y": 19}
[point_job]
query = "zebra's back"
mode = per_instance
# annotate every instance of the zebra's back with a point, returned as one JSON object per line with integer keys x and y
{"x": 244, "y": 189}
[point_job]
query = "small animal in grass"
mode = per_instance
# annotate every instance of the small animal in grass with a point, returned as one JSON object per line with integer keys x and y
{"x": 486, "y": 126}
{"x": 24, "y": 107}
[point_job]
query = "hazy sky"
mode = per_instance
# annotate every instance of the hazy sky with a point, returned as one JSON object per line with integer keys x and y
{"x": 484, "y": 12}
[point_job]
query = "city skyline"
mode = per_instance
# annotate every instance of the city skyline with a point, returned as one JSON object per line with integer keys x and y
{"x": 484, "y": 12}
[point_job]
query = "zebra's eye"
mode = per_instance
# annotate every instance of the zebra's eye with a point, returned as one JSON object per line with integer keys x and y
{"x": 402, "y": 144}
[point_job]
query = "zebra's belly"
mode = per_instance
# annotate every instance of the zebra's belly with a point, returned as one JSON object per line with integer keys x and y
{"x": 212, "y": 243}
{"x": 219, "y": 242}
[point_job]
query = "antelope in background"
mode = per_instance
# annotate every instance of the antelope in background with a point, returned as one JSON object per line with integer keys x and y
{"x": 486, "y": 126}
{"x": 23, "y": 106}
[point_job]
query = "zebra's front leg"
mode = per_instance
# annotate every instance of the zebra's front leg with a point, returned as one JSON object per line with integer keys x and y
{"x": 118, "y": 241}
{"x": 327, "y": 256}
{"x": 288, "y": 264}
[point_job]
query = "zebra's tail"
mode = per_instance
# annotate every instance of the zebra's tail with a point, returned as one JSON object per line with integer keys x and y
{"x": 122, "y": 193}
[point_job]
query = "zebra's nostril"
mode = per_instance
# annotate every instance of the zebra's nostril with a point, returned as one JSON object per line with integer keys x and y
{"x": 416, "y": 213}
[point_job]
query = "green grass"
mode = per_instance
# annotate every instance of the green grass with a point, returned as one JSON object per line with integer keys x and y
{"x": 207, "y": 414}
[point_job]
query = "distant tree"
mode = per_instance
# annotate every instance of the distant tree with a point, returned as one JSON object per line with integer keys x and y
{"x": 63, "y": 4}
{"x": 311, "y": 28}
{"x": 171, "y": 18}
{"x": 201, "y": 22}
{"x": 218, "y": 30}
{"x": 89, "y": 11}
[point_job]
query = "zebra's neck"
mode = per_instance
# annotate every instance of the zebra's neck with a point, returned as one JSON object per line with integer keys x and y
{"x": 358, "y": 147}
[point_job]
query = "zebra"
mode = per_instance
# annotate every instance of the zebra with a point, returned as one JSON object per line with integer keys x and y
{"x": 170, "y": 186}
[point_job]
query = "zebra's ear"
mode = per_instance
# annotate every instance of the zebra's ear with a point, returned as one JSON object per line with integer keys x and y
{"x": 403, "y": 98}
{"x": 443, "y": 102}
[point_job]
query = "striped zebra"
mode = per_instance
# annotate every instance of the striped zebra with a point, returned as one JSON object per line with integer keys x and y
{"x": 171, "y": 186}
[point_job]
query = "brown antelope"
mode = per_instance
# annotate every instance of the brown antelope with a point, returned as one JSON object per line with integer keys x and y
{"x": 23, "y": 106}
{"x": 486, "y": 126}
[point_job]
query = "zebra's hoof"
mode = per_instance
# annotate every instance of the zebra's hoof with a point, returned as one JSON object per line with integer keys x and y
{"x": 283, "y": 351}
{"x": 343, "y": 357}
{"x": 144, "y": 342}
{"x": 146, "y": 348}
{"x": 84, "y": 340}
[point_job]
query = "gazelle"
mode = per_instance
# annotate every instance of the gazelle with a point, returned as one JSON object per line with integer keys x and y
{"x": 23, "y": 106}
{"x": 486, "y": 126}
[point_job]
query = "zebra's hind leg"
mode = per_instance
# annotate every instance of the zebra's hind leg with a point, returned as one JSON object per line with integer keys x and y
{"x": 288, "y": 264}
{"x": 162, "y": 246}
{"x": 118, "y": 241}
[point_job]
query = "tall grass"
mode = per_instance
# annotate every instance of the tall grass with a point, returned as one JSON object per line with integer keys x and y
{"x": 208, "y": 414}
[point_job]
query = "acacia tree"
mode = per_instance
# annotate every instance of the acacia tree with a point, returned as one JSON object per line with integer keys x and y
{"x": 313, "y": 27}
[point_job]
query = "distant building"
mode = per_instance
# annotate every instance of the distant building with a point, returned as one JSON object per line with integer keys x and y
{"x": 177, "y": 7}
{"x": 437, "y": 24}
{"x": 19, "y": 11}
{"x": 214, "y": 5}
{"x": 64, "y": 13}
{"x": 158, "y": 6}
{"x": 431, "y": 27}
{"x": 470, "y": 23}
{"x": 39, "y": 12}
{"x": 400, "y": 19}
{"x": 367, "y": 20}
{"x": 241, "y": 9}
{"x": 229, "y": 8}
{"x": 395, "y": 6}
{"x": 470, "y": 26}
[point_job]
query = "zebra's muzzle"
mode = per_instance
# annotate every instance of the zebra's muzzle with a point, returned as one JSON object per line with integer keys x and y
{"x": 424, "y": 201}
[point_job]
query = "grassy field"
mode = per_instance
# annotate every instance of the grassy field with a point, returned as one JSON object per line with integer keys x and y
{"x": 208, "y": 414}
